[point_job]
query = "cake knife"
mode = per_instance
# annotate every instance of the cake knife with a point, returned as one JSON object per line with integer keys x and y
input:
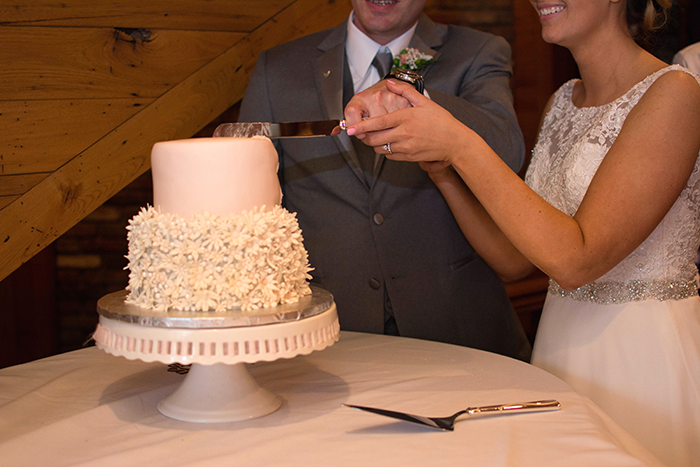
{"x": 281, "y": 130}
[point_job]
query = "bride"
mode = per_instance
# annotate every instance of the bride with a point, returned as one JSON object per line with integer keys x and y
{"x": 610, "y": 210}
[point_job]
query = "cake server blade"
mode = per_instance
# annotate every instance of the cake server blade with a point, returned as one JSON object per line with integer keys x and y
{"x": 281, "y": 130}
{"x": 447, "y": 423}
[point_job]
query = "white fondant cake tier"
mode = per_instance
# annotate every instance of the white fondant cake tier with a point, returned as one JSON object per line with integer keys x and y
{"x": 222, "y": 176}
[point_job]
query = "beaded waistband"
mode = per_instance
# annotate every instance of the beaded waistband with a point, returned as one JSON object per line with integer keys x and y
{"x": 611, "y": 293}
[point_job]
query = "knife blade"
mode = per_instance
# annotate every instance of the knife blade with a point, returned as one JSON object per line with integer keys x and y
{"x": 281, "y": 130}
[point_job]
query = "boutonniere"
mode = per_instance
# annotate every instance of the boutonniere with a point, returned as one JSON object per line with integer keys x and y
{"x": 412, "y": 59}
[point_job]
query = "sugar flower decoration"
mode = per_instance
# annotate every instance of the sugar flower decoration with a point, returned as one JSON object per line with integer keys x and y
{"x": 412, "y": 59}
{"x": 209, "y": 263}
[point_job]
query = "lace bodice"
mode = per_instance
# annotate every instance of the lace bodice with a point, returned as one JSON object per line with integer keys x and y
{"x": 569, "y": 149}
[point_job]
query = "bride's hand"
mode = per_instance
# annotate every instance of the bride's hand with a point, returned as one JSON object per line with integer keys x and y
{"x": 424, "y": 132}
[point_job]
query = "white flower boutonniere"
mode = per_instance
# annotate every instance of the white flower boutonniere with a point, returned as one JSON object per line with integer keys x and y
{"x": 412, "y": 59}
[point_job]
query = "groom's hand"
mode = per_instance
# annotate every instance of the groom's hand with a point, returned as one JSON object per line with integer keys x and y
{"x": 372, "y": 102}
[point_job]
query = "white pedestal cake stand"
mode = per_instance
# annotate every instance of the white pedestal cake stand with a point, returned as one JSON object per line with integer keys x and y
{"x": 218, "y": 387}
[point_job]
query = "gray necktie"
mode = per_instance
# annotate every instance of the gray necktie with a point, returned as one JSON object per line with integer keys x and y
{"x": 366, "y": 155}
{"x": 382, "y": 62}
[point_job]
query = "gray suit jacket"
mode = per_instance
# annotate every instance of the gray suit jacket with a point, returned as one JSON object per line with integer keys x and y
{"x": 393, "y": 237}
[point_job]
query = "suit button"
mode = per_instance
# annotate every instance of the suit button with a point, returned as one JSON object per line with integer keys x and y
{"x": 378, "y": 219}
{"x": 374, "y": 283}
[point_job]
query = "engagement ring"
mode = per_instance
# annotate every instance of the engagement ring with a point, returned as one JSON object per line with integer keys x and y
{"x": 387, "y": 148}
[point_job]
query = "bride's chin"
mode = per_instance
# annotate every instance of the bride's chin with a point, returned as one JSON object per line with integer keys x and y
{"x": 550, "y": 38}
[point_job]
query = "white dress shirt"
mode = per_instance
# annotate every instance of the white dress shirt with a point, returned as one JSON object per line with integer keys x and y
{"x": 361, "y": 50}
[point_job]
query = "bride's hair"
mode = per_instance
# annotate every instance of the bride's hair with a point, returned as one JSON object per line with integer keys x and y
{"x": 646, "y": 16}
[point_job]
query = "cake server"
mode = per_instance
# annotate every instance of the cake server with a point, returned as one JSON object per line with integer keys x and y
{"x": 281, "y": 130}
{"x": 447, "y": 423}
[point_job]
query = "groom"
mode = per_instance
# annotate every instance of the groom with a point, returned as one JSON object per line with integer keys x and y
{"x": 380, "y": 236}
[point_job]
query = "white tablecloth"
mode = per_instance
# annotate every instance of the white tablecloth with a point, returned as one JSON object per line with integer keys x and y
{"x": 88, "y": 408}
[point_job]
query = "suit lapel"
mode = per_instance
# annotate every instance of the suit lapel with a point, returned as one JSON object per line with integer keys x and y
{"x": 329, "y": 80}
{"x": 329, "y": 84}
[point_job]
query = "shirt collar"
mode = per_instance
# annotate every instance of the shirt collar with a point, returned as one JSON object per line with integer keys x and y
{"x": 361, "y": 50}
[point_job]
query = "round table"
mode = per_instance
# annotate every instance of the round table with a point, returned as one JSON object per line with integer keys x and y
{"x": 86, "y": 408}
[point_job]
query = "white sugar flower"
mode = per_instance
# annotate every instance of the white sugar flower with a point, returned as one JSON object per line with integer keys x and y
{"x": 249, "y": 260}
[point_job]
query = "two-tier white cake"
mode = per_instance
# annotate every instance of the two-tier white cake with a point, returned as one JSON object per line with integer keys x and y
{"x": 217, "y": 237}
{"x": 218, "y": 279}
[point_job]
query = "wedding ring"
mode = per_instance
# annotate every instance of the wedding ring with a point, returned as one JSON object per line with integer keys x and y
{"x": 343, "y": 125}
{"x": 387, "y": 148}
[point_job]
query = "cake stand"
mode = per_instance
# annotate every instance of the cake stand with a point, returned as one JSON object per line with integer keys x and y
{"x": 218, "y": 345}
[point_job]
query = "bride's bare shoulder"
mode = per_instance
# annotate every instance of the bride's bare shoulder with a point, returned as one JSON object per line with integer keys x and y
{"x": 677, "y": 83}
{"x": 674, "y": 97}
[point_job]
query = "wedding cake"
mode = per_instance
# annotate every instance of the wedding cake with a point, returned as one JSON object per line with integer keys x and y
{"x": 216, "y": 237}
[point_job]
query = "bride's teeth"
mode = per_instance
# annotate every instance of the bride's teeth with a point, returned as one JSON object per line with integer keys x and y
{"x": 552, "y": 10}
{"x": 383, "y": 2}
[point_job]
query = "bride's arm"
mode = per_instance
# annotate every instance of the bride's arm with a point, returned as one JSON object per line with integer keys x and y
{"x": 633, "y": 189}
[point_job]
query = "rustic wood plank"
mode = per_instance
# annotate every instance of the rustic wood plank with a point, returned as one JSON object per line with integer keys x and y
{"x": 12, "y": 185}
{"x": 5, "y": 200}
{"x": 40, "y": 136}
{"x": 208, "y": 15}
{"x": 72, "y": 63}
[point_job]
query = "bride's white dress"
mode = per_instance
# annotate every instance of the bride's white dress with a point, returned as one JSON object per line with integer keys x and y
{"x": 630, "y": 341}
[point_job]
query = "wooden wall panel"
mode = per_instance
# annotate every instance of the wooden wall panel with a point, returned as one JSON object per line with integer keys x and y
{"x": 5, "y": 200}
{"x": 207, "y": 15}
{"x": 51, "y": 132}
{"x": 92, "y": 63}
{"x": 17, "y": 184}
